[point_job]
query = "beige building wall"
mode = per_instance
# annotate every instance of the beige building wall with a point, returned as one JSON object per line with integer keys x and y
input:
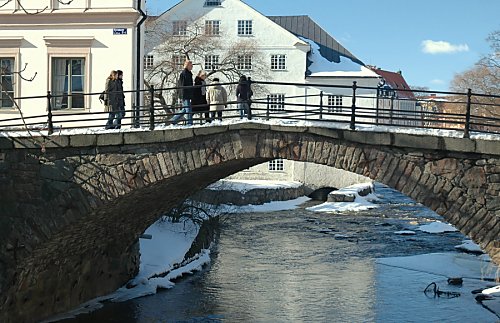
{"x": 102, "y": 33}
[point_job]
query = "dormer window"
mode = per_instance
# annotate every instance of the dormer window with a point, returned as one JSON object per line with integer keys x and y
{"x": 212, "y": 3}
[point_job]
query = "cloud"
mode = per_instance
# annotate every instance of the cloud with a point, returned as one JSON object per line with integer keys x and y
{"x": 442, "y": 47}
{"x": 437, "y": 82}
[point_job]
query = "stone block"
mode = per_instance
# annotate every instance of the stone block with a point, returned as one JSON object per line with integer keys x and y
{"x": 6, "y": 143}
{"x": 212, "y": 130}
{"x": 326, "y": 132}
{"x": 368, "y": 137}
{"x": 459, "y": 144}
{"x": 249, "y": 126}
{"x": 56, "y": 141}
{"x": 341, "y": 197}
{"x": 487, "y": 147}
{"x": 82, "y": 140}
{"x": 415, "y": 141}
{"x": 178, "y": 134}
{"x": 283, "y": 128}
{"x": 143, "y": 137}
{"x": 110, "y": 139}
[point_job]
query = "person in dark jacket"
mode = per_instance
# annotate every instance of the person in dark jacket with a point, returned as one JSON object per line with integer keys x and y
{"x": 120, "y": 97}
{"x": 185, "y": 85}
{"x": 243, "y": 95}
{"x": 199, "y": 96}
{"x": 111, "y": 94}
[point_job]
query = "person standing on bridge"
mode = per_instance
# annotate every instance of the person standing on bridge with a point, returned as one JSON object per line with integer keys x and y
{"x": 199, "y": 100}
{"x": 243, "y": 95}
{"x": 216, "y": 98}
{"x": 185, "y": 85}
{"x": 120, "y": 96}
{"x": 110, "y": 98}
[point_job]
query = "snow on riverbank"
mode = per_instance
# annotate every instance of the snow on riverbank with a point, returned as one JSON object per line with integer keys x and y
{"x": 360, "y": 203}
{"x": 244, "y": 186}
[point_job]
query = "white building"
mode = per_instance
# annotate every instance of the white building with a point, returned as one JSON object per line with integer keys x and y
{"x": 294, "y": 50}
{"x": 69, "y": 50}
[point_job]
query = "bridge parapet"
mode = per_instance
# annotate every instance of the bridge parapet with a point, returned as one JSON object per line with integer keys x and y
{"x": 71, "y": 215}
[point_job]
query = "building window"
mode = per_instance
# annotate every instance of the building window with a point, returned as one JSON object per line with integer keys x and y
{"x": 276, "y": 165}
{"x": 211, "y": 62}
{"x": 68, "y": 79}
{"x": 245, "y": 27}
{"x": 179, "y": 28}
{"x": 178, "y": 61}
{"x": 244, "y": 62}
{"x": 278, "y": 62}
{"x": 212, "y": 3}
{"x": 212, "y": 27}
{"x": 148, "y": 61}
{"x": 6, "y": 82}
{"x": 334, "y": 103}
{"x": 277, "y": 102}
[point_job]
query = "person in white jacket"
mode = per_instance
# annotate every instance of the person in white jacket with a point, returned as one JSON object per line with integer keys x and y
{"x": 216, "y": 98}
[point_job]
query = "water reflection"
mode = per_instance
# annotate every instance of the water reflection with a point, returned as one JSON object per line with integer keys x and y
{"x": 284, "y": 267}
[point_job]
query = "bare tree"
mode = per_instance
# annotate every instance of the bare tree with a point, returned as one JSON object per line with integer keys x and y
{"x": 484, "y": 78}
{"x": 171, "y": 43}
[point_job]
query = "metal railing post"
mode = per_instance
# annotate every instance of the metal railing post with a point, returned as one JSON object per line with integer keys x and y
{"x": 352, "y": 125}
{"x": 152, "y": 108}
{"x": 467, "y": 114}
{"x": 321, "y": 105}
{"x": 268, "y": 106}
{"x": 377, "y": 105}
{"x": 49, "y": 113}
{"x": 391, "y": 109}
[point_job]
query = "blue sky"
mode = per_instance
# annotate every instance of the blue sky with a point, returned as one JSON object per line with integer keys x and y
{"x": 428, "y": 40}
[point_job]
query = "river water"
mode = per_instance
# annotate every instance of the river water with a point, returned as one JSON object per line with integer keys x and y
{"x": 300, "y": 266}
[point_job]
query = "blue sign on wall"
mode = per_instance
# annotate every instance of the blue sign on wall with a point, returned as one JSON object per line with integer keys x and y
{"x": 119, "y": 31}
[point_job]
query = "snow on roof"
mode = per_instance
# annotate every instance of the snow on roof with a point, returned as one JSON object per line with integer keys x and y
{"x": 320, "y": 66}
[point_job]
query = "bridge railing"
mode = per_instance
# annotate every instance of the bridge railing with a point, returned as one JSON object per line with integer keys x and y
{"x": 347, "y": 104}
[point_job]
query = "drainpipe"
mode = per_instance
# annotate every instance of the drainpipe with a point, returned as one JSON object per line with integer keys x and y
{"x": 138, "y": 66}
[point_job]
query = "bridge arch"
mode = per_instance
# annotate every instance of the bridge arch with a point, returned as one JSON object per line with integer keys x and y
{"x": 96, "y": 194}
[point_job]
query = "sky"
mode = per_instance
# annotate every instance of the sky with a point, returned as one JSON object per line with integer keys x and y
{"x": 428, "y": 40}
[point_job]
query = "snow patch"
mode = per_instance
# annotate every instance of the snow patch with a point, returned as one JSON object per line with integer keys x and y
{"x": 360, "y": 203}
{"x": 244, "y": 186}
{"x": 437, "y": 227}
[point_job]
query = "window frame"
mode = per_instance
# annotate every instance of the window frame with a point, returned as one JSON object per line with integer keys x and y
{"x": 276, "y": 165}
{"x": 212, "y": 3}
{"x": 69, "y": 91}
{"x": 72, "y": 47}
{"x": 335, "y": 103}
{"x": 179, "y": 28}
{"x": 277, "y": 102}
{"x": 212, "y": 62}
{"x": 244, "y": 27}
{"x": 10, "y": 47}
{"x": 278, "y": 62}
{"x": 148, "y": 62}
{"x": 211, "y": 26}
{"x": 13, "y": 76}
{"x": 244, "y": 62}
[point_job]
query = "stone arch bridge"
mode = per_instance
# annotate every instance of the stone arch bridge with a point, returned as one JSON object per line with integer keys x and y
{"x": 73, "y": 207}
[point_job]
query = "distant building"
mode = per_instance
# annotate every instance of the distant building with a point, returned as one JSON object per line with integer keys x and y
{"x": 70, "y": 48}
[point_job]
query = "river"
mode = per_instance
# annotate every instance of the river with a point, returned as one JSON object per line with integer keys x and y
{"x": 300, "y": 266}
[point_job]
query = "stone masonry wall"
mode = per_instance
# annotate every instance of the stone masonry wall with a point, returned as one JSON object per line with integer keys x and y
{"x": 71, "y": 214}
